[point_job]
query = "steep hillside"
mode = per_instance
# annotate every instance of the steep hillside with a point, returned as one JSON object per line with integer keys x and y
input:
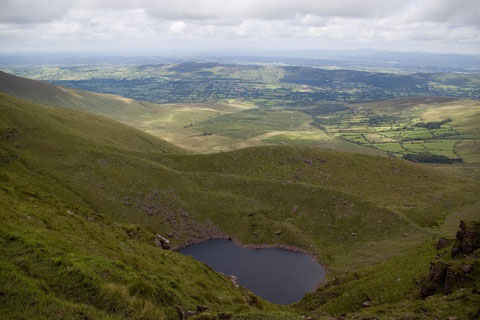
{"x": 116, "y": 107}
{"x": 172, "y": 122}
{"x": 64, "y": 257}
{"x": 85, "y": 193}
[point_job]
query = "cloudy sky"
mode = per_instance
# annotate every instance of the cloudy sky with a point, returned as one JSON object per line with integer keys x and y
{"x": 163, "y": 25}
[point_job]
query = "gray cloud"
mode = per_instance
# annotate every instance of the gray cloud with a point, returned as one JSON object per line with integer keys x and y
{"x": 458, "y": 11}
{"x": 27, "y": 11}
{"x": 154, "y": 24}
{"x": 455, "y": 12}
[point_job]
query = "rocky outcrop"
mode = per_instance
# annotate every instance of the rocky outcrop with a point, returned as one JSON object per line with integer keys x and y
{"x": 444, "y": 276}
{"x": 453, "y": 276}
{"x": 436, "y": 279}
{"x": 468, "y": 239}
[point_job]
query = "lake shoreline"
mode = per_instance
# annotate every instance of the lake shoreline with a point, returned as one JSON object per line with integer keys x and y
{"x": 291, "y": 248}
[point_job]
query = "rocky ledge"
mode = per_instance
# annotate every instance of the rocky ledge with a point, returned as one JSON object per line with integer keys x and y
{"x": 459, "y": 271}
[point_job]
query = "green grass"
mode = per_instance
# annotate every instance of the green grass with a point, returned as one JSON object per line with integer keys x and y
{"x": 390, "y": 147}
{"x": 254, "y": 122}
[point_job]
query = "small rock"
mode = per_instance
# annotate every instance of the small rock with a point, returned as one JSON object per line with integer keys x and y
{"x": 354, "y": 234}
{"x": 202, "y": 308}
{"x": 366, "y": 304}
{"x": 278, "y": 232}
{"x": 308, "y": 161}
{"x": 224, "y": 316}
{"x": 189, "y": 314}
{"x": 321, "y": 159}
{"x": 232, "y": 278}
{"x": 442, "y": 243}
{"x": 467, "y": 268}
{"x": 162, "y": 242}
{"x": 295, "y": 209}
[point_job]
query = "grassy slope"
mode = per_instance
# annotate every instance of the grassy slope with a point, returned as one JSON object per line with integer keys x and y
{"x": 63, "y": 255}
{"x": 113, "y": 106}
{"x": 355, "y": 210}
{"x": 169, "y": 121}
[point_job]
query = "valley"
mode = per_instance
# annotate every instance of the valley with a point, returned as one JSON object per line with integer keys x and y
{"x": 90, "y": 179}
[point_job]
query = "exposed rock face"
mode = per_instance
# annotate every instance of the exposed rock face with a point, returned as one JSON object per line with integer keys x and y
{"x": 454, "y": 275}
{"x": 468, "y": 238}
{"x": 444, "y": 276}
{"x": 436, "y": 279}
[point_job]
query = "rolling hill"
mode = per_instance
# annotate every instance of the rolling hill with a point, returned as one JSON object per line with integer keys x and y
{"x": 435, "y": 129}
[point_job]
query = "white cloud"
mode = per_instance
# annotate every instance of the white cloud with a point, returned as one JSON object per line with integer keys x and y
{"x": 177, "y": 28}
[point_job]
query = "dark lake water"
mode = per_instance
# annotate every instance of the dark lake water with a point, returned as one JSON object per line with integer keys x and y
{"x": 277, "y": 275}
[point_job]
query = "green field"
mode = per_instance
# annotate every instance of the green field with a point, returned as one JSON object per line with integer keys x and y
{"x": 268, "y": 85}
